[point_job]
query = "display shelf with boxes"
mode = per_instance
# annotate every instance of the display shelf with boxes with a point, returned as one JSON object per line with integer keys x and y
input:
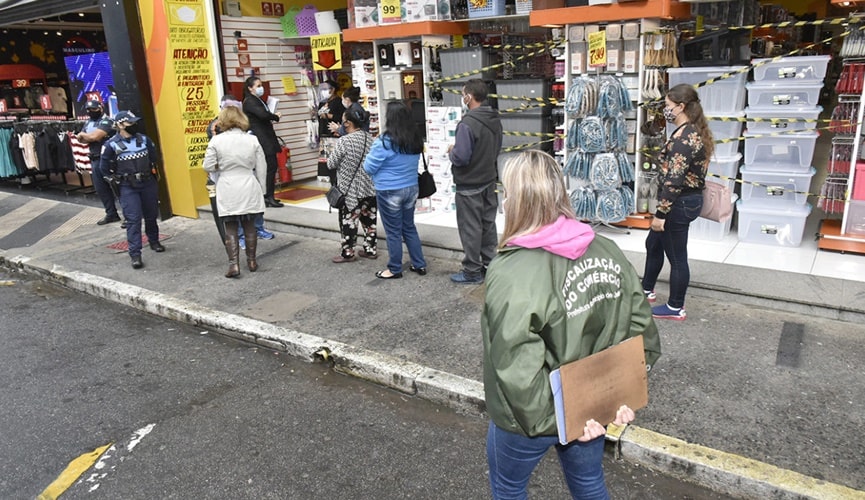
{"x": 848, "y": 233}
{"x": 791, "y": 152}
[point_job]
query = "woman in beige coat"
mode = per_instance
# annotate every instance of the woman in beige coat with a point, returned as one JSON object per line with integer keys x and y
{"x": 238, "y": 164}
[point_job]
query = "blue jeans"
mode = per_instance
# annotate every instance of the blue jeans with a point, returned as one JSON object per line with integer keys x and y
{"x": 259, "y": 225}
{"x": 140, "y": 200}
{"x": 396, "y": 211}
{"x": 513, "y": 457}
{"x": 672, "y": 242}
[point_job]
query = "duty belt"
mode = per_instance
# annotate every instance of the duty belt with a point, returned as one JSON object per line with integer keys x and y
{"x": 138, "y": 176}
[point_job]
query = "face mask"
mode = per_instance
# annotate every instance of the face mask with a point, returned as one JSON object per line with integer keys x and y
{"x": 132, "y": 129}
{"x": 259, "y": 91}
{"x": 325, "y": 95}
{"x": 346, "y": 103}
{"x": 94, "y": 115}
{"x": 465, "y": 105}
{"x": 669, "y": 115}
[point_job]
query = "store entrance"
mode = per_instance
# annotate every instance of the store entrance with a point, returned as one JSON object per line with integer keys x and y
{"x": 50, "y": 66}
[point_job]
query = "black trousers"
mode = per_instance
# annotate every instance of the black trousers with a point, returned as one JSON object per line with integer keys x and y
{"x": 272, "y": 166}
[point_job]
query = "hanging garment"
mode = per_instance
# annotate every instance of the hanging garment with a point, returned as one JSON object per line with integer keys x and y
{"x": 27, "y": 143}
{"x": 46, "y": 150}
{"x": 64, "y": 153}
{"x": 7, "y": 164}
{"x": 80, "y": 153}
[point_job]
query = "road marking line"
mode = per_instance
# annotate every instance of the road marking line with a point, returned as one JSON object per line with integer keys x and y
{"x": 72, "y": 472}
{"x": 24, "y": 214}
{"x": 116, "y": 454}
{"x": 86, "y": 216}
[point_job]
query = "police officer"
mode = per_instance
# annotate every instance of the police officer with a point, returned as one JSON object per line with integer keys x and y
{"x": 97, "y": 130}
{"x": 130, "y": 159}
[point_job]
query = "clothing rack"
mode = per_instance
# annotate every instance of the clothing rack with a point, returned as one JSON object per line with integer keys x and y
{"x": 52, "y": 180}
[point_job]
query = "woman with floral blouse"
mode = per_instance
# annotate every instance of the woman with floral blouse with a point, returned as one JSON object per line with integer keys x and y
{"x": 681, "y": 180}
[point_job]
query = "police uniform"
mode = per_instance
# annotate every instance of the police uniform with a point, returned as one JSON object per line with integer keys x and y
{"x": 103, "y": 190}
{"x": 132, "y": 164}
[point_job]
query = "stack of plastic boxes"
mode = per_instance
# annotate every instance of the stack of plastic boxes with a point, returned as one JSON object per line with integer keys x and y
{"x": 776, "y": 176}
{"x": 724, "y": 100}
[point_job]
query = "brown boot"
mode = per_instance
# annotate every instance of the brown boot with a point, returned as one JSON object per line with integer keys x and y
{"x": 251, "y": 235}
{"x": 232, "y": 248}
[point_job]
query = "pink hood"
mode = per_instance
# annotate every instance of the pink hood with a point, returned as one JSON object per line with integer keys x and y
{"x": 566, "y": 237}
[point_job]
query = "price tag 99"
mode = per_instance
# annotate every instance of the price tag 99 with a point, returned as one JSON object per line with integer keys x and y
{"x": 390, "y": 11}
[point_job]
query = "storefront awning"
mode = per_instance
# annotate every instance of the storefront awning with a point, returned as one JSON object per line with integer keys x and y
{"x": 19, "y": 11}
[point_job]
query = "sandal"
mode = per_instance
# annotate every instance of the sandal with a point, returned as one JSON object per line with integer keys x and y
{"x": 366, "y": 255}
{"x": 391, "y": 276}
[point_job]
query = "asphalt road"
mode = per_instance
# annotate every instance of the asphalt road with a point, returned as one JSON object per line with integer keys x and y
{"x": 191, "y": 414}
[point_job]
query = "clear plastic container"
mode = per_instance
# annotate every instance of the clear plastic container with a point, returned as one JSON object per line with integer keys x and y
{"x": 856, "y": 218}
{"x": 797, "y": 95}
{"x": 783, "y": 226}
{"x": 718, "y": 97}
{"x": 727, "y": 166}
{"x": 726, "y": 130}
{"x": 786, "y": 69}
{"x": 775, "y": 188}
{"x": 781, "y": 153}
{"x": 781, "y": 112}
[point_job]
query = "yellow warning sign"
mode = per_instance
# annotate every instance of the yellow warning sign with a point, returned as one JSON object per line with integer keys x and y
{"x": 326, "y": 52}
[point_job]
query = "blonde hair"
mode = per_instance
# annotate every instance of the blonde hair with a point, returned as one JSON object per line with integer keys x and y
{"x": 535, "y": 193}
{"x": 232, "y": 117}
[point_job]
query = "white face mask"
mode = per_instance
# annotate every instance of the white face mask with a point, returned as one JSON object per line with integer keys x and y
{"x": 465, "y": 105}
{"x": 259, "y": 91}
{"x": 346, "y": 103}
{"x": 325, "y": 95}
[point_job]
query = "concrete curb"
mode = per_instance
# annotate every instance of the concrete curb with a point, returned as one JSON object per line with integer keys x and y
{"x": 720, "y": 471}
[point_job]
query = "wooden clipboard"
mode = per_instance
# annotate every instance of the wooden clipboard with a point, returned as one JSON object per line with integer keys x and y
{"x": 596, "y": 386}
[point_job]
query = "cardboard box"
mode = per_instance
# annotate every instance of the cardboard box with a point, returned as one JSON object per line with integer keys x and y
{"x": 365, "y": 16}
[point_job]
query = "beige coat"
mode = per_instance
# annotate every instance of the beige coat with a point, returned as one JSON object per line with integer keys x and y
{"x": 239, "y": 169}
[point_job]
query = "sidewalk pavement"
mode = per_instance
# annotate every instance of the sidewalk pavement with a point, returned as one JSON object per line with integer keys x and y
{"x": 758, "y": 375}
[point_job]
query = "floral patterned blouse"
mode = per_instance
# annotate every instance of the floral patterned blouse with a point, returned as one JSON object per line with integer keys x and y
{"x": 683, "y": 169}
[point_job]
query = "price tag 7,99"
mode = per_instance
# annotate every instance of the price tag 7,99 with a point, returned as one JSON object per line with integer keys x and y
{"x": 390, "y": 11}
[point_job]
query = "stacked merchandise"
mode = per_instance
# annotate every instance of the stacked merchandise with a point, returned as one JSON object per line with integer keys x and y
{"x": 441, "y": 126}
{"x": 596, "y": 142}
{"x": 363, "y": 77}
{"x": 779, "y": 149}
{"x": 723, "y": 104}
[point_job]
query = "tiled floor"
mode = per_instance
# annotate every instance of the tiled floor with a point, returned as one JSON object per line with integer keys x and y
{"x": 805, "y": 259}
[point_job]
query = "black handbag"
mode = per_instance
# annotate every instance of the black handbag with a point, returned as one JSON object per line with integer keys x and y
{"x": 426, "y": 185}
{"x": 335, "y": 197}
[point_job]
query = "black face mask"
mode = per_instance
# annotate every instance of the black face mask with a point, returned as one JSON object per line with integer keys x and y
{"x": 132, "y": 129}
{"x": 94, "y": 115}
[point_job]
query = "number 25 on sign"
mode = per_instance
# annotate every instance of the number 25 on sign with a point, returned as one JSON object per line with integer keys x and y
{"x": 598, "y": 48}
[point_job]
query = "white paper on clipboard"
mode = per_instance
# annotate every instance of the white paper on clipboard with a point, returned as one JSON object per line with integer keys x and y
{"x": 272, "y": 102}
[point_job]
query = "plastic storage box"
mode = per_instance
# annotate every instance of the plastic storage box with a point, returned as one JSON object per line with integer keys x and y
{"x": 726, "y": 130}
{"x": 486, "y": 8}
{"x": 859, "y": 182}
{"x": 775, "y": 188}
{"x": 535, "y": 88}
{"x": 464, "y": 60}
{"x": 783, "y": 226}
{"x": 856, "y": 218}
{"x": 786, "y": 69}
{"x": 783, "y": 113}
{"x": 722, "y": 96}
{"x": 705, "y": 229}
{"x": 516, "y": 122}
{"x": 726, "y": 165}
{"x": 801, "y": 95}
{"x": 784, "y": 153}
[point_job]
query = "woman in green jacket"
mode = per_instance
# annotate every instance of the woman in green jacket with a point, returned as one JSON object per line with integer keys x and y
{"x": 556, "y": 293}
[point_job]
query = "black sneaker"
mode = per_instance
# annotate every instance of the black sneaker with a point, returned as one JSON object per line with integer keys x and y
{"x": 136, "y": 262}
{"x": 108, "y": 219}
{"x": 124, "y": 224}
